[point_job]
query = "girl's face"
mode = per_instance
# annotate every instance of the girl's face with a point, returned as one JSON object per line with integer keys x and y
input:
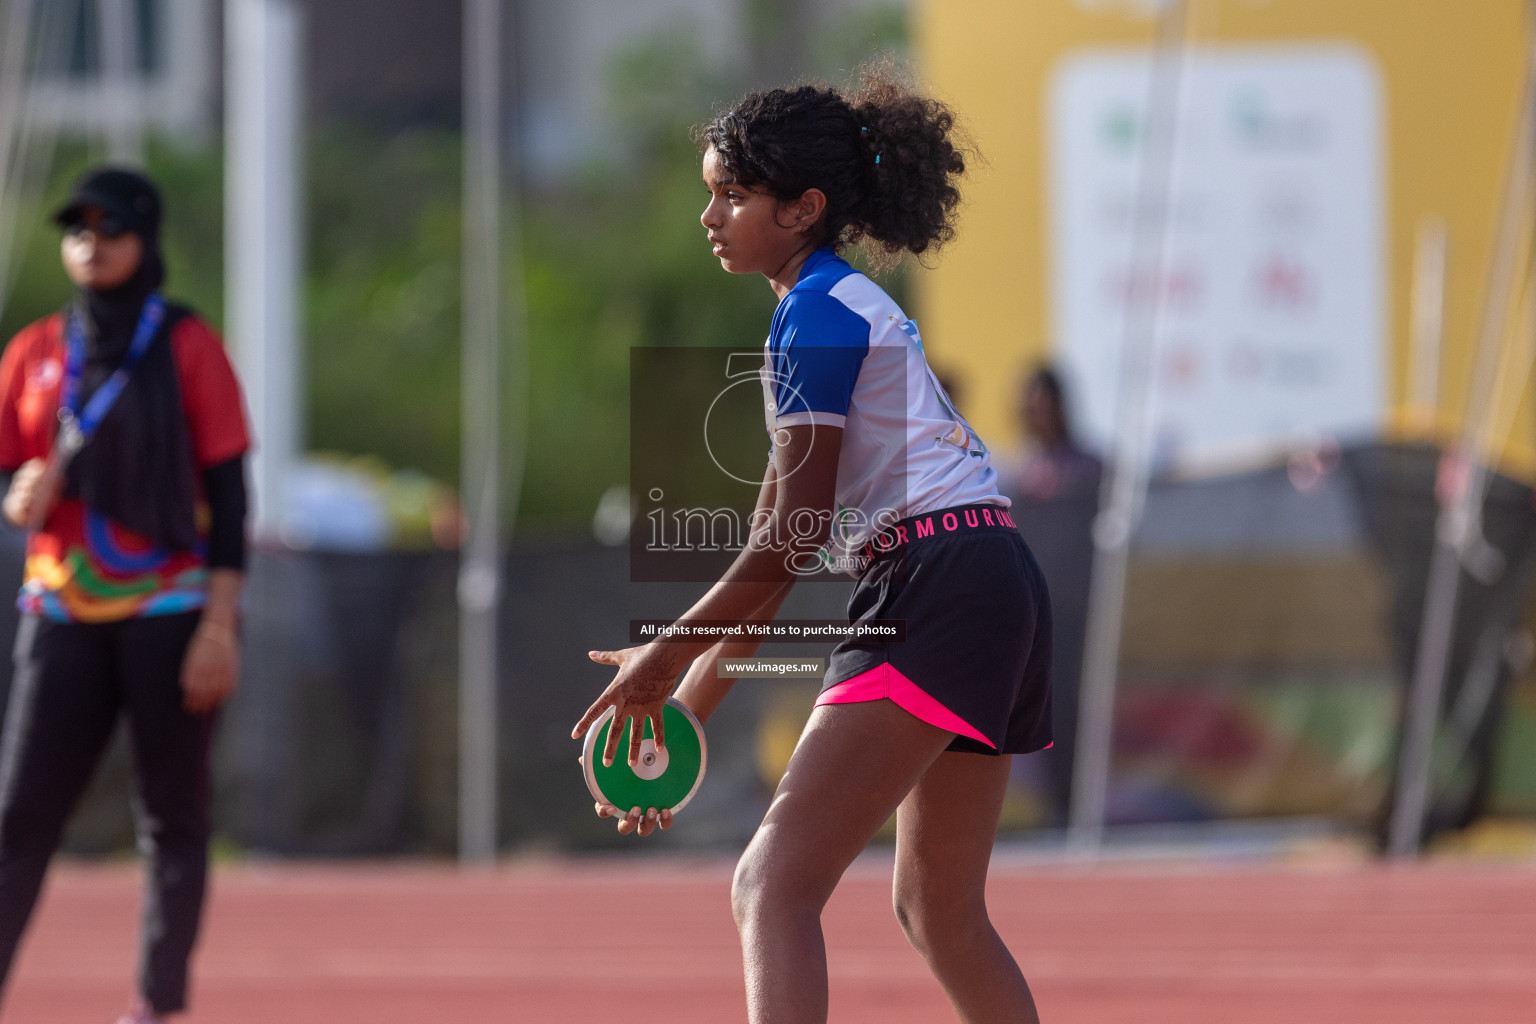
{"x": 98, "y": 252}
{"x": 752, "y": 231}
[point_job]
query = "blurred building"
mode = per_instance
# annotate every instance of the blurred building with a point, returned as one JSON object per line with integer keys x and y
{"x": 395, "y": 63}
{"x": 153, "y": 63}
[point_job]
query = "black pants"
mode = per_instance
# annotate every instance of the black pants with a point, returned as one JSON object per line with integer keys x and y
{"x": 71, "y": 683}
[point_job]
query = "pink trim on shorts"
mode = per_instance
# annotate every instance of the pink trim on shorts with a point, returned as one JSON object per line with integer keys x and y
{"x": 885, "y": 682}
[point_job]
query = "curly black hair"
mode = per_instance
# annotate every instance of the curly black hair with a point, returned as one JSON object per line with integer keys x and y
{"x": 886, "y": 158}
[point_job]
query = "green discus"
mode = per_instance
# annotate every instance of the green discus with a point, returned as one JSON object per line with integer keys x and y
{"x": 665, "y": 778}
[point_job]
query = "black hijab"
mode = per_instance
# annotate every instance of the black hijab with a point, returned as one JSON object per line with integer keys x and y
{"x": 138, "y": 469}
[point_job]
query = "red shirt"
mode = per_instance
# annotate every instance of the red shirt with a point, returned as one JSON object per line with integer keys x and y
{"x": 82, "y": 567}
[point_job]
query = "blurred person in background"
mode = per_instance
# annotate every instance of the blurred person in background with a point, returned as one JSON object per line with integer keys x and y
{"x": 1054, "y": 485}
{"x": 122, "y": 428}
{"x": 1053, "y": 464}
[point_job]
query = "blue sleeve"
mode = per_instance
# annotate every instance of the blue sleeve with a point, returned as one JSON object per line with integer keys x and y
{"x": 818, "y": 345}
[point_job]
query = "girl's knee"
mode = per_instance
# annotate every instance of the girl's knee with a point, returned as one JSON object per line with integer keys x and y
{"x": 934, "y": 924}
{"x": 912, "y": 915}
{"x": 757, "y": 885}
{"x": 746, "y": 886}
{"x": 766, "y": 882}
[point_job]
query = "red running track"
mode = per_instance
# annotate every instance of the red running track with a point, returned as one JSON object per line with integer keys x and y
{"x": 528, "y": 942}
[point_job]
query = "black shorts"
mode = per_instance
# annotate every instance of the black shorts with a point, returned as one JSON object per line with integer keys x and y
{"x": 976, "y": 658}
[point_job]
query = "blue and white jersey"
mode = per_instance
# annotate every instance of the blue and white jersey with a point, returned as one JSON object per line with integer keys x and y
{"x": 842, "y": 353}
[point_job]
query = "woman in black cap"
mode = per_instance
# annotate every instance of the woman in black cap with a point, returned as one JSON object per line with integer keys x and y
{"x": 121, "y": 422}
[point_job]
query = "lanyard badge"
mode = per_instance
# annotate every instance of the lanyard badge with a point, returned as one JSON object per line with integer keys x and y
{"x": 71, "y": 438}
{"x": 76, "y": 425}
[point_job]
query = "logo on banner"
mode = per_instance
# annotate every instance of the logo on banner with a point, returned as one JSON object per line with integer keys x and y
{"x": 1268, "y": 289}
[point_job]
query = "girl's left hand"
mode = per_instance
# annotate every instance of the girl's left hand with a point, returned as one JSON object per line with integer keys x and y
{"x": 639, "y": 692}
{"x": 636, "y": 821}
{"x": 211, "y": 668}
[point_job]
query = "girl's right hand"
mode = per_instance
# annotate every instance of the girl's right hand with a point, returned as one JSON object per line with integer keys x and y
{"x": 20, "y": 505}
{"x": 638, "y": 692}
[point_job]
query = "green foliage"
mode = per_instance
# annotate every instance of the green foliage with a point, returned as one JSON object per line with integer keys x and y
{"x": 839, "y": 49}
{"x": 381, "y": 318}
{"x": 38, "y": 285}
{"x": 657, "y": 87}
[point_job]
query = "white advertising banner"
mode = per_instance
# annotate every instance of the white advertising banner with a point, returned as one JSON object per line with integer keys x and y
{"x": 1272, "y": 305}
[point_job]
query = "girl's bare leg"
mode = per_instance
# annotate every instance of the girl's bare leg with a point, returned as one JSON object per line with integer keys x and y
{"x": 944, "y": 835}
{"x": 853, "y": 766}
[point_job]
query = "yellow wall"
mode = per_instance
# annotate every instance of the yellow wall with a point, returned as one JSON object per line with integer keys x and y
{"x": 1450, "y": 70}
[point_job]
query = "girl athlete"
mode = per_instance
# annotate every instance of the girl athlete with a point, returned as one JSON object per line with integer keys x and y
{"x": 121, "y": 420}
{"x": 924, "y": 727}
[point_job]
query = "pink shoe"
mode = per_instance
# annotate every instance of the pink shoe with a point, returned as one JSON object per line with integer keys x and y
{"x": 140, "y": 1014}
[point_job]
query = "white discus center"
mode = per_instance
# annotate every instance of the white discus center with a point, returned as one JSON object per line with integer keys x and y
{"x": 652, "y": 763}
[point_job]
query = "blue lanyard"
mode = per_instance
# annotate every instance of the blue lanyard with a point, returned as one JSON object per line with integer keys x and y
{"x": 78, "y": 426}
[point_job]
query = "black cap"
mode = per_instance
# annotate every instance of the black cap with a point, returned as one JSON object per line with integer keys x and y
{"x": 125, "y": 194}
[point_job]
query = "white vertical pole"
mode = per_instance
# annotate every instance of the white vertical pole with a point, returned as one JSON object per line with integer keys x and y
{"x": 16, "y": 22}
{"x": 118, "y": 46}
{"x": 1124, "y": 487}
{"x": 480, "y": 560}
{"x": 32, "y": 42}
{"x": 261, "y": 234}
{"x": 1428, "y": 304}
{"x": 13, "y": 81}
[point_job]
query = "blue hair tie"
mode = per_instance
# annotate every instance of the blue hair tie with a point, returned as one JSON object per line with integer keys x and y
{"x": 865, "y": 128}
